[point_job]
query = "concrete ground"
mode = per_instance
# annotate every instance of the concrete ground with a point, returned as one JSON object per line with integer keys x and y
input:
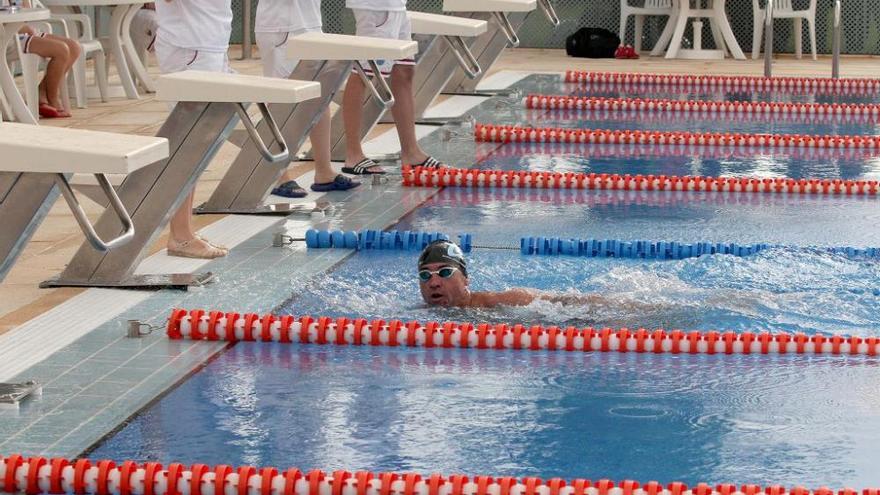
{"x": 56, "y": 240}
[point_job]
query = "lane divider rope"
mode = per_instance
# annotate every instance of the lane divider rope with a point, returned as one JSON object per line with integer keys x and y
{"x": 39, "y": 475}
{"x": 788, "y": 84}
{"x": 720, "y": 108}
{"x": 199, "y": 324}
{"x": 653, "y": 150}
{"x": 370, "y": 239}
{"x": 556, "y": 246}
{"x": 516, "y": 134}
{"x": 443, "y": 177}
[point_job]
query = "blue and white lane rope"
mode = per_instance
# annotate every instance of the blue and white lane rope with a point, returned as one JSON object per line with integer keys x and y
{"x": 406, "y": 240}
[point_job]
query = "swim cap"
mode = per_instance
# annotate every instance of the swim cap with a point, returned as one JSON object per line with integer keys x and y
{"x": 443, "y": 251}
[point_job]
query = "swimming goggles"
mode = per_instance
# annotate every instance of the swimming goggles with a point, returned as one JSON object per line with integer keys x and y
{"x": 445, "y": 272}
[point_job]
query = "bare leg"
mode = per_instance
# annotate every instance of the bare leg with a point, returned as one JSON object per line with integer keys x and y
{"x": 183, "y": 239}
{"x": 320, "y": 138}
{"x": 404, "y": 114}
{"x": 58, "y": 55}
{"x": 351, "y": 117}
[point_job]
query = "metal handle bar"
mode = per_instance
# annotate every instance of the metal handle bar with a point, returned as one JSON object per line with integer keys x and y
{"x": 284, "y": 153}
{"x": 507, "y": 28}
{"x": 835, "y": 42}
{"x": 387, "y": 101}
{"x": 549, "y": 11}
{"x": 465, "y": 57}
{"x": 768, "y": 39}
{"x": 83, "y": 221}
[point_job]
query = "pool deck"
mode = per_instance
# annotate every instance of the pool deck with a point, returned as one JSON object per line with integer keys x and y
{"x": 96, "y": 378}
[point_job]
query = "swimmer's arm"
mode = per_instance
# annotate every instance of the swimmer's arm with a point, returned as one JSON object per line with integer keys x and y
{"x": 512, "y": 297}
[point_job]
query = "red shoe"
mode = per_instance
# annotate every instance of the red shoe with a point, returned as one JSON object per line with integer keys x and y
{"x": 631, "y": 52}
{"x": 48, "y": 111}
{"x": 620, "y": 52}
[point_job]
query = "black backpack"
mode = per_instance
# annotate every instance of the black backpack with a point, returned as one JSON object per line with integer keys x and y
{"x": 592, "y": 43}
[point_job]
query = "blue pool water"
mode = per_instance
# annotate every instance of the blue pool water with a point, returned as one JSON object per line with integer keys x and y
{"x": 743, "y": 419}
{"x": 633, "y": 159}
{"x": 746, "y": 419}
{"x": 696, "y": 122}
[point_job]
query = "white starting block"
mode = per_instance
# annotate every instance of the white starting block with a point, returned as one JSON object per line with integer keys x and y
{"x": 430, "y": 74}
{"x": 508, "y": 17}
{"x": 36, "y": 159}
{"x": 206, "y": 110}
{"x": 327, "y": 58}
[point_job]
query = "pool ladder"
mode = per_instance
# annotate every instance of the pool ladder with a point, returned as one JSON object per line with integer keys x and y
{"x": 768, "y": 41}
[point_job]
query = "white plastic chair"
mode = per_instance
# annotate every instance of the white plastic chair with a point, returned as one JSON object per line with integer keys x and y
{"x": 651, "y": 7}
{"x": 79, "y": 27}
{"x": 782, "y": 9}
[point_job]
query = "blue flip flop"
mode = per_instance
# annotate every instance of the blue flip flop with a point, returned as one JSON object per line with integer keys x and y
{"x": 290, "y": 189}
{"x": 339, "y": 183}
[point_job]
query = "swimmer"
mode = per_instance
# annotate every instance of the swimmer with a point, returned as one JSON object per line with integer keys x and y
{"x": 443, "y": 281}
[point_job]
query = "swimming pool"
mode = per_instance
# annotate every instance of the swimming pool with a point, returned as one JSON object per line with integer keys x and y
{"x": 747, "y": 419}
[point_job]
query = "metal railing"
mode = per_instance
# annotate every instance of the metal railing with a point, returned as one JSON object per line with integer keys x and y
{"x": 835, "y": 42}
{"x": 768, "y": 39}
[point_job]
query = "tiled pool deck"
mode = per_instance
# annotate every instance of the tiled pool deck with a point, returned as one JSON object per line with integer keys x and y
{"x": 101, "y": 377}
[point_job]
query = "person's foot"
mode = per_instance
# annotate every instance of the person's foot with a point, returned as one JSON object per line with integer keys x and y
{"x": 195, "y": 248}
{"x": 364, "y": 166}
{"x": 425, "y": 162}
{"x": 289, "y": 189}
{"x": 339, "y": 183}
{"x": 47, "y": 111}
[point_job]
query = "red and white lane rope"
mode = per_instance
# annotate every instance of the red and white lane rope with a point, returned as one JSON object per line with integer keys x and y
{"x": 655, "y": 150}
{"x": 719, "y": 108}
{"x": 516, "y": 134}
{"x": 751, "y": 83}
{"x": 215, "y": 325}
{"x": 38, "y": 475}
{"x": 429, "y": 177}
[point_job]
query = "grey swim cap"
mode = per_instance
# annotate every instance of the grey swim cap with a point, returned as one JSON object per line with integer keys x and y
{"x": 443, "y": 251}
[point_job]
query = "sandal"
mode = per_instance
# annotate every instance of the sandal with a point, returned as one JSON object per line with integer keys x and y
{"x": 190, "y": 249}
{"x": 363, "y": 167}
{"x": 290, "y": 189}
{"x": 430, "y": 162}
{"x": 47, "y": 111}
{"x": 206, "y": 241}
{"x": 339, "y": 183}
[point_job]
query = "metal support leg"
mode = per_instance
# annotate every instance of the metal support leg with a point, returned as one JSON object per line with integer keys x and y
{"x": 195, "y": 132}
{"x": 251, "y": 177}
{"x": 24, "y": 201}
{"x": 487, "y": 48}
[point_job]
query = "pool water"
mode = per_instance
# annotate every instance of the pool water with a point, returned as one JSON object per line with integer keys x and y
{"x": 790, "y": 420}
{"x": 747, "y": 419}
{"x": 676, "y": 160}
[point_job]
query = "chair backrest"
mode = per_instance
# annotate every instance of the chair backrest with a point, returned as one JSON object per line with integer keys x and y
{"x": 658, "y": 4}
{"x": 782, "y": 5}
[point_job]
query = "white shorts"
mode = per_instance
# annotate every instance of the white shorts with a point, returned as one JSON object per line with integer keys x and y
{"x": 273, "y": 52}
{"x": 24, "y": 39}
{"x": 392, "y": 25}
{"x": 176, "y": 59}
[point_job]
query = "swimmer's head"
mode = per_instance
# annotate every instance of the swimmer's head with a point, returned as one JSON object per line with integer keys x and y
{"x": 443, "y": 274}
{"x": 443, "y": 251}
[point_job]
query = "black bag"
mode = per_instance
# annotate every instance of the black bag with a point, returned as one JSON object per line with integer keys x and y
{"x": 592, "y": 43}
